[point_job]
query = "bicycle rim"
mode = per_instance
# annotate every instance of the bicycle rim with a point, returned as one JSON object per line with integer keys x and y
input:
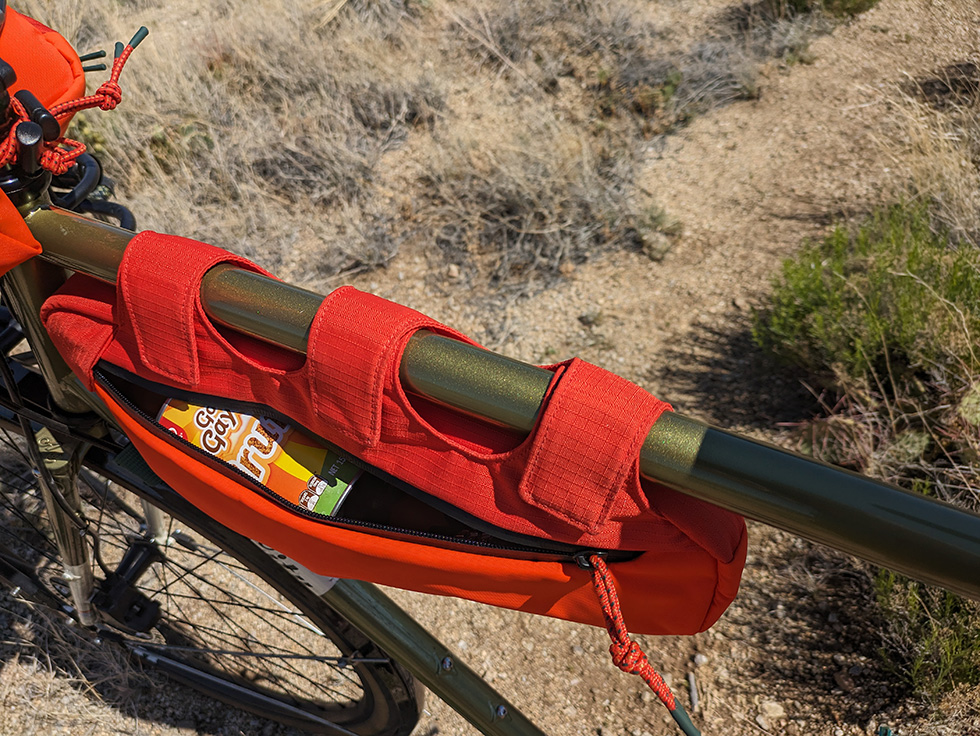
{"x": 233, "y": 625}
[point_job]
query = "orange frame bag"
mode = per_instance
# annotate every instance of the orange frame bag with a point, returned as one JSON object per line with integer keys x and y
{"x": 521, "y": 513}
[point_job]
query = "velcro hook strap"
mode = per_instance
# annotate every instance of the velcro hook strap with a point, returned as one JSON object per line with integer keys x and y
{"x": 159, "y": 299}
{"x": 356, "y": 341}
{"x": 587, "y": 445}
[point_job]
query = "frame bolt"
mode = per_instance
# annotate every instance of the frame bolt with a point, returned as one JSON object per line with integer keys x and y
{"x": 501, "y": 711}
{"x": 447, "y": 664}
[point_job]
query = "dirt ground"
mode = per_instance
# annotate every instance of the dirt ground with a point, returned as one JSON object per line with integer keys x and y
{"x": 797, "y": 653}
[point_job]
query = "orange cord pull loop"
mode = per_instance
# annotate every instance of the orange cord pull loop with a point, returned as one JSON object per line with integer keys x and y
{"x": 626, "y": 653}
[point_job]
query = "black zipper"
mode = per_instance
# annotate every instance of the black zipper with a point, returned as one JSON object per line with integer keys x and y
{"x": 569, "y": 554}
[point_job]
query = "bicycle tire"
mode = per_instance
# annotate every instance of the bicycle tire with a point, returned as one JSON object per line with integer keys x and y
{"x": 378, "y": 696}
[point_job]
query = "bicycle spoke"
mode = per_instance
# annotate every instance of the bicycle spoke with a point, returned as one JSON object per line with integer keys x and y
{"x": 247, "y": 639}
{"x": 343, "y": 661}
{"x": 219, "y": 608}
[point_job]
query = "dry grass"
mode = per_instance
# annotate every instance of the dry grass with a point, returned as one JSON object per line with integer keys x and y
{"x": 322, "y": 143}
{"x": 631, "y": 69}
{"x": 230, "y": 127}
{"x": 519, "y": 213}
{"x": 53, "y": 678}
{"x": 938, "y": 145}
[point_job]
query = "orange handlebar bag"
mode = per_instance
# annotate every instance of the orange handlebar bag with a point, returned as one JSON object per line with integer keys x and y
{"x": 47, "y": 66}
{"x": 45, "y": 63}
{"x": 433, "y": 501}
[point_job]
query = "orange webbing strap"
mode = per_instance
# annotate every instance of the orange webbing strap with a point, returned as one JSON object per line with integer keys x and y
{"x": 626, "y": 653}
{"x": 592, "y": 429}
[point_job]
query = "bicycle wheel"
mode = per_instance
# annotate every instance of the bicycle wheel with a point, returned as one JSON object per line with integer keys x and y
{"x": 233, "y": 623}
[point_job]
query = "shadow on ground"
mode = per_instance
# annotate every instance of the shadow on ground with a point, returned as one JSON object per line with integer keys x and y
{"x": 86, "y": 672}
{"x": 734, "y": 381}
{"x": 819, "y": 648}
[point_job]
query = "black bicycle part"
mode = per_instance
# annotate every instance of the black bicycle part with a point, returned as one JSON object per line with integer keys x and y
{"x": 126, "y": 219}
{"x": 30, "y": 137}
{"x": 89, "y": 190}
{"x": 21, "y": 187}
{"x": 81, "y": 180}
{"x": 10, "y": 332}
{"x": 118, "y": 598}
{"x": 8, "y": 77}
{"x": 38, "y": 113}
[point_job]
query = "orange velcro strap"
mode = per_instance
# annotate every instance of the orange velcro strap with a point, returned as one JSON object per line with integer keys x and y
{"x": 588, "y": 445}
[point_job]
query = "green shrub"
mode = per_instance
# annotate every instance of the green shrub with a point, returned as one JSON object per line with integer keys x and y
{"x": 933, "y": 636}
{"x": 882, "y": 307}
{"x": 883, "y": 317}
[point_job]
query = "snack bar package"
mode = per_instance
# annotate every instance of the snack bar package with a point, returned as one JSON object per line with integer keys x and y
{"x": 282, "y": 458}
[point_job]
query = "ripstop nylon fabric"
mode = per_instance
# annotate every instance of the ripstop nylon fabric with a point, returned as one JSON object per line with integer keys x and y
{"x": 48, "y": 66}
{"x": 574, "y": 480}
{"x": 44, "y": 61}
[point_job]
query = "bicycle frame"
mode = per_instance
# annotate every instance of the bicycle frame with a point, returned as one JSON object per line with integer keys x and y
{"x": 923, "y": 538}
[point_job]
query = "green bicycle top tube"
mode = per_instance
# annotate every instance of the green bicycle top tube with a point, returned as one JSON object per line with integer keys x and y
{"x": 921, "y": 537}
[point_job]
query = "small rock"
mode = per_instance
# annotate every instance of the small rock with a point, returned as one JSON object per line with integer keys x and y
{"x": 700, "y": 659}
{"x": 772, "y": 709}
{"x": 839, "y": 659}
{"x": 844, "y": 681}
{"x": 855, "y": 670}
{"x": 838, "y": 732}
{"x": 741, "y": 303}
{"x": 763, "y": 723}
{"x": 655, "y": 246}
{"x": 577, "y": 650}
{"x": 453, "y": 271}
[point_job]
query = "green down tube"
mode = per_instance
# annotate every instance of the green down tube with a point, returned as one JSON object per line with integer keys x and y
{"x": 926, "y": 539}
